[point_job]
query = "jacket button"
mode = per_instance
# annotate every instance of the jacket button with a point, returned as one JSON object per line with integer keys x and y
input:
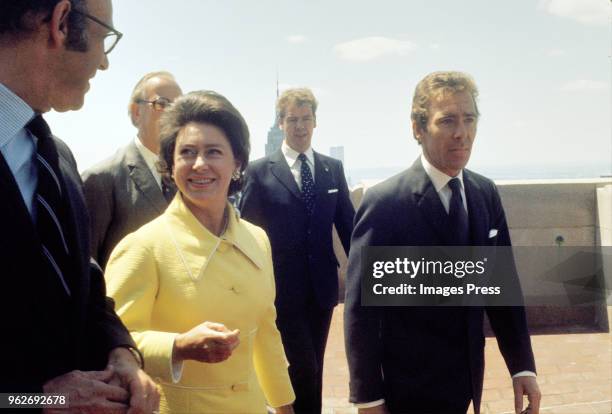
{"x": 241, "y": 386}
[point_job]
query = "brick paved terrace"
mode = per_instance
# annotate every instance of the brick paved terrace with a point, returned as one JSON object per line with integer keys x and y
{"x": 574, "y": 374}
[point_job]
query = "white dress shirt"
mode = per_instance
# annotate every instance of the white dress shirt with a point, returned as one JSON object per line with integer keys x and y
{"x": 295, "y": 165}
{"x": 440, "y": 182}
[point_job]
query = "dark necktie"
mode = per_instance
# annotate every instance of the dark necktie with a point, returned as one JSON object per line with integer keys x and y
{"x": 458, "y": 218}
{"x": 50, "y": 203}
{"x": 307, "y": 184}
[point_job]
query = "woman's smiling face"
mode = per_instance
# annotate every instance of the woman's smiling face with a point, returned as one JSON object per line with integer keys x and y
{"x": 203, "y": 165}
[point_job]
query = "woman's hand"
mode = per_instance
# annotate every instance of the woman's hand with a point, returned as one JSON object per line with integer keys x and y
{"x": 208, "y": 342}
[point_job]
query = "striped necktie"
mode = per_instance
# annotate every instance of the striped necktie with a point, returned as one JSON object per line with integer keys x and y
{"x": 50, "y": 204}
{"x": 307, "y": 184}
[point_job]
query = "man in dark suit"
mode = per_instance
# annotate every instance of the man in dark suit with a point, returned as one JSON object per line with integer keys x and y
{"x": 426, "y": 359}
{"x": 62, "y": 335}
{"x": 126, "y": 191}
{"x": 297, "y": 195}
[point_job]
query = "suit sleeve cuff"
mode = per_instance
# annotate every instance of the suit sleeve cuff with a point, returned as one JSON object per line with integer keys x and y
{"x": 157, "y": 349}
{"x": 135, "y": 353}
{"x": 524, "y": 374}
{"x": 370, "y": 404}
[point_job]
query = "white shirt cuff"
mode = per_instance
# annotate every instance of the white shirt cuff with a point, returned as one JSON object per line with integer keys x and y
{"x": 370, "y": 404}
{"x": 524, "y": 374}
{"x": 176, "y": 368}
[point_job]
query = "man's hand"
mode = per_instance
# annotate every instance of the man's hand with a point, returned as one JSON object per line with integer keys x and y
{"x": 88, "y": 392}
{"x": 208, "y": 342}
{"x": 143, "y": 394}
{"x": 379, "y": 409}
{"x": 526, "y": 386}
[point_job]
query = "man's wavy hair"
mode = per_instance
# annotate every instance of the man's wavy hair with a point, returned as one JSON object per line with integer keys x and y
{"x": 298, "y": 97}
{"x": 18, "y": 19}
{"x": 436, "y": 85}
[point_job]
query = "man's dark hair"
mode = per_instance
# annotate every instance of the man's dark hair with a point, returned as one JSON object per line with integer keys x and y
{"x": 18, "y": 18}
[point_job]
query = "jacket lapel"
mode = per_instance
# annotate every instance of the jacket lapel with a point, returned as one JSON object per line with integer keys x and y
{"x": 144, "y": 180}
{"x": 280, "y": 169}
{"x": 77, "y": 233}
{"x": 477, "y": 210}
{"x": 428, "y": 200}
{"x": 196, "y": 246}
{"x": 13, "y": 210}
{"x": 322, "y": 177}
{"x": 241, "y": 238}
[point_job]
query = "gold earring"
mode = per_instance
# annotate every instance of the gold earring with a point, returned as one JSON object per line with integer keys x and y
{"x": 236, "y": 175}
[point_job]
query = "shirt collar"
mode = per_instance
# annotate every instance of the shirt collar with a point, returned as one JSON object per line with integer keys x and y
{"x": 291, "y": 155}
{"x": 14, "y": 114}
{"x": 242, "y": 239}
{"x": 437, "y": 177}
{"x": 205, "y": 243}
{"x": 149, "y": 156}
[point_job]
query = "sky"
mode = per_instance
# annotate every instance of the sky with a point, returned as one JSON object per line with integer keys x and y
{"x": 543, "y": 69}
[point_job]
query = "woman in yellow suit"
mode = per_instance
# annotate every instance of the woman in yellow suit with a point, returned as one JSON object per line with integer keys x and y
{"x": 196, "y": 285}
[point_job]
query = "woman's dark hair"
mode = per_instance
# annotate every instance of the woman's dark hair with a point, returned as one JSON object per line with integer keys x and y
{"x": 206, "y": 107}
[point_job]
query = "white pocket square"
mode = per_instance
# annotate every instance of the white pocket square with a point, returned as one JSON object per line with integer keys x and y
{"x": 492, "y": 233}
{"x": 333, "y": 190}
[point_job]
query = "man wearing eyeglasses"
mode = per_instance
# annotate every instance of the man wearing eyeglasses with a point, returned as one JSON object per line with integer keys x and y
{"x": 126, "y": 191}
{"x": 61, "y": 334}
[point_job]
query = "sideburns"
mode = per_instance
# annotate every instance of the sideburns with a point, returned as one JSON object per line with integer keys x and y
{"x": 76, "y": 39}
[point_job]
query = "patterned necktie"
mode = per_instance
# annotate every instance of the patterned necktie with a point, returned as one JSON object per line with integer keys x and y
{"x": 457, "y": 215}
{"x": 307, "y": 184}
{"x": 50, "y": 203}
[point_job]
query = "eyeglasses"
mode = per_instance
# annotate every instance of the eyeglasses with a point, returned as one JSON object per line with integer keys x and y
{"x": 158, "y": 104}
{"x": 111, "y": 38}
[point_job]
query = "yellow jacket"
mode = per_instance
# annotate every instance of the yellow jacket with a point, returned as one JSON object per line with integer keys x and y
{"x": 173, "y": 274}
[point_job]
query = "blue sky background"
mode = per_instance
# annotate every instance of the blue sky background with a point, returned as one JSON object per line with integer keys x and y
{"x": 542, "y": 66}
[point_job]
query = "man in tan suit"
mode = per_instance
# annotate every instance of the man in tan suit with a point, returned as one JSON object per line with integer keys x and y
{"x": 126, "y": 191}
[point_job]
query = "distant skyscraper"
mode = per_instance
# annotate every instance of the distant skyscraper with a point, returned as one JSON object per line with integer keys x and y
{"x": 275, "y": 138}
{"x": 275, "y": 135}
{"x": 337, "y": 153}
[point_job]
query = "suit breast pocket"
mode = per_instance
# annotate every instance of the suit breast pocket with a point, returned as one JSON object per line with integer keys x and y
{"x": 492, "y": 237}
{"x": 329, "y": 198}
